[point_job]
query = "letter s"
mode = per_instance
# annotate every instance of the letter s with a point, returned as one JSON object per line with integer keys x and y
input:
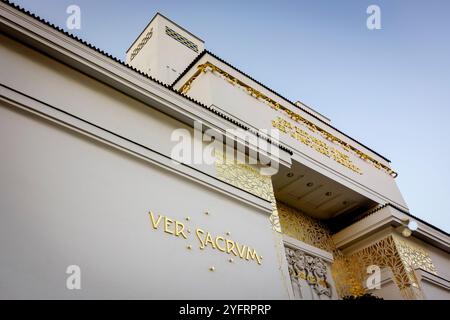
{"x": 198, "y": 232}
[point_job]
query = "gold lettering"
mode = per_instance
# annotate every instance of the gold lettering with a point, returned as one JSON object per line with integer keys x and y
{"x": 180, "y": 230}
{"x": 209, "y": 239}
{"x": 167, "y": 223}
{"x": 217, "y": 243}
{"x": 220, "y": 243}
{"x": 230, "y": 246}
{"x": 156, "y": 222}
{"x": 198, "y": 232}
{"x": 253, "y": 255}
{"x": 317, "y": 144}
{"x": 241, "y": 253}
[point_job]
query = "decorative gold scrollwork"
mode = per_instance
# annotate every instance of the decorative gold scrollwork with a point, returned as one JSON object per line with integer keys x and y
{"x": 249, "y": 179}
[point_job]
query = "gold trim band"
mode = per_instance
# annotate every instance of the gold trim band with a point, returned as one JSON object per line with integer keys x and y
{"x": 208, "y": 66}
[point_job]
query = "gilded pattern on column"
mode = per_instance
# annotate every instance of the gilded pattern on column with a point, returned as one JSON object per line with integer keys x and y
{"x": 383, "y": 253}
{"x": 414, "y": 256}
{"x": 302, "y": 227}
{"x": 349, "y": 272}
{"x": 400, "y": 256}
{"x": 249, "y": 179}
{"x": 344, "y": 277}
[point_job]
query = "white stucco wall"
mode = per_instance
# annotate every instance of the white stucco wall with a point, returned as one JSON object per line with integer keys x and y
{"x": 67, "y": 199}
{"x": 433, "y": 291}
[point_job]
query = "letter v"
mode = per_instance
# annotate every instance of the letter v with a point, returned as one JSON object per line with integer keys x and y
{"x": 155, "y": 223}
{"x": 241, "y": 253}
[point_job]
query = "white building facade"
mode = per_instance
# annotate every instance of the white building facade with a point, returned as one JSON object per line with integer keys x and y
{"x": 90, "y": 178}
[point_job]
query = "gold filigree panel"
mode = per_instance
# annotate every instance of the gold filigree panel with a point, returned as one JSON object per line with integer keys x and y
{"x": 350, "y": 272}
{"x": 304, "y": 228}
{"x": 413, "y": 256}
{"x": 383, "y": 253}
{"x": 313, "y": 142}
{"x": 346, "y": 283}
{"x": 400, "y": 256}
{"x": 247, "y": 178}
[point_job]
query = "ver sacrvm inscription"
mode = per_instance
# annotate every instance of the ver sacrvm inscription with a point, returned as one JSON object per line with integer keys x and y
{"x": 204, "y": 238}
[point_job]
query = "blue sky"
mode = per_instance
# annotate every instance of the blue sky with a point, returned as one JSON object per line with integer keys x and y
{"x": 388, "y": 88}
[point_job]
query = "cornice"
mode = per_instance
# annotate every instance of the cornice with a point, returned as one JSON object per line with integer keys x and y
{"x": 424, "y": 275}
{"x": 389, "y": 216}
{"x": 297, "y": 244}
{"x": 53, "y": 114}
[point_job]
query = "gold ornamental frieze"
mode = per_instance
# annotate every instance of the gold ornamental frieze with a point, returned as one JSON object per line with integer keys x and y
{"x": 329, "y": 151}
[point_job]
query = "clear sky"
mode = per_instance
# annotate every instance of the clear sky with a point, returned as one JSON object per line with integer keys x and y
{"x": 388, "y": 88}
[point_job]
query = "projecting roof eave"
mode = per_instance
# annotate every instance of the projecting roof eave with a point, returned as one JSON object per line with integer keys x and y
{"x": 192, "y": 67}
{"x": 387, "y": 216}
